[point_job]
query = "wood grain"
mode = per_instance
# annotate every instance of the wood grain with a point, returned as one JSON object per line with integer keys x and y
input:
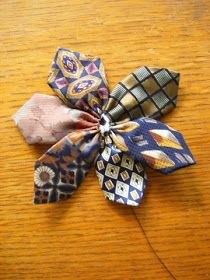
{"x": 87, "y": 237}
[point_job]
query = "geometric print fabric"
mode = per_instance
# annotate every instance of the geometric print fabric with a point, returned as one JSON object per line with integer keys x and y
{"x": 121, "y": 177}
{"x": 146, "y": 92}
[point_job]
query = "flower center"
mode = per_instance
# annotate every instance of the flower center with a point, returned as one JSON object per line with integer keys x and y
{"x": 104, "y": 124}
{"x": 44, "y": 176}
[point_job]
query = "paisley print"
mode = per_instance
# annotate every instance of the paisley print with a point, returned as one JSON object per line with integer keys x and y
{"x": 69, "y": 64}
{"x": 83, "y": 85}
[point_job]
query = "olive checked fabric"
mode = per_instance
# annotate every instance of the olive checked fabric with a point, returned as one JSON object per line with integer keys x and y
{"x": 117, "y": 132}
{"x": 145, "y": 92}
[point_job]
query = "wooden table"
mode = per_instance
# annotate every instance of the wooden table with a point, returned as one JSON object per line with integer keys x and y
{"x": 87, "y": 237}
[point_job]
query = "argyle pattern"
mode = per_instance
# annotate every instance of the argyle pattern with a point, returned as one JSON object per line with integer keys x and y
{"x": 118, "y": 133}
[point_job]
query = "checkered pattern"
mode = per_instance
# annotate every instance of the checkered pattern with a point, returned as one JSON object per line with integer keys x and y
{"x": 149, "y": 92}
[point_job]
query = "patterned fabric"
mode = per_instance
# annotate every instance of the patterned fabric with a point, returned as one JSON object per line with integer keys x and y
{"x": 121, "y": 176}
{"x": 79, "y": 80}
{"x": 45, "y": 119}
{"x": 154, "y": 144}
{"x": 145, "y": 92}
{"x": 119, "y": 132}
{"x": 59, "y": 172}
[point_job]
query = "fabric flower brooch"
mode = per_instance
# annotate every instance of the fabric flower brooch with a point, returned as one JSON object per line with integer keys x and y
{"x": 118, "y": 132}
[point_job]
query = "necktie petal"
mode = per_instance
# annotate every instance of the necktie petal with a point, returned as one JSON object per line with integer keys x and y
{"x": 147, "y": 92}
{"x": 120, "y": 175}
{"x": 79, "y": 80}
{"x": 155, "y": 144}
{"x": 60, "y": 171}
{"x": 45, "y": 119}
